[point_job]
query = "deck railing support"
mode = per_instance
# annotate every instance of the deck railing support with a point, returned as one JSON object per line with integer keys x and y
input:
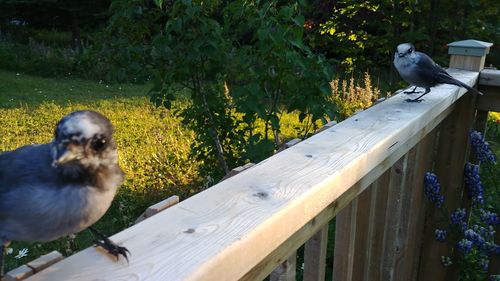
{"x": 386, "y": 222}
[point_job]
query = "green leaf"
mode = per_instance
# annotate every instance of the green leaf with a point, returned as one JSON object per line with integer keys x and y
{"x": 298, "y": 43}
{"x": 299, "y": 20}
{"x": 275, "y": 121}
{"x": 158, "y": 3}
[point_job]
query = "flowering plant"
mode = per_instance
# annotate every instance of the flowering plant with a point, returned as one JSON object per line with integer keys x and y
{"x": 471, "y": 233}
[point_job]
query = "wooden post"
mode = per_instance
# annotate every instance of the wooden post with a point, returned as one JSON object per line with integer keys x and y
{"x": 468, "y": 54}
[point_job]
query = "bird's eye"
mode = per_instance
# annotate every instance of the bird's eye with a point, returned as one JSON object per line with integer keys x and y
{"x": 98, "y": 142}
{"x": 410, "y": 50}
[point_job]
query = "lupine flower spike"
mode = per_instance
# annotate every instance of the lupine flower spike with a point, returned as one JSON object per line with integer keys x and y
{"x": 475, "y": 188}
{"x": 481, "y": 148}
{"x": 432, "y": 189}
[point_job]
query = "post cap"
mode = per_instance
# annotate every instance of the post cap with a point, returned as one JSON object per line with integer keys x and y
{"x": 469, "y": 47}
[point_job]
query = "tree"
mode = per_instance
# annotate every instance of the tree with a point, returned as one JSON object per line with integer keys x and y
{"x": 239, "y": 74}
{"x": 68, "y": 15}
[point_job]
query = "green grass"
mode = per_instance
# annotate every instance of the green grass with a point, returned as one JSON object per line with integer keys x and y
{"x": 153, "y": 146}
{"x": 19, "y": 90}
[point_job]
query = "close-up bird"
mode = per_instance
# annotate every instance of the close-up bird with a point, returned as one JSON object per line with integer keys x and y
{"x": 420, "y": 70}
{"x": 63, "y": 187}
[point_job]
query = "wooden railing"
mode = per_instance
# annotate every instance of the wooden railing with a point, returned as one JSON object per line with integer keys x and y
{"x": 367, "y": 171}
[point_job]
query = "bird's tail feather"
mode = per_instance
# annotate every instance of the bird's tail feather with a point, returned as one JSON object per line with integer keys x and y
{"x": 450, "y": 80}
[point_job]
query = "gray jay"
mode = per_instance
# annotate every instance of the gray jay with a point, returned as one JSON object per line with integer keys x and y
{"x": 60, "y": 188}
{"x": 420, "y": 70}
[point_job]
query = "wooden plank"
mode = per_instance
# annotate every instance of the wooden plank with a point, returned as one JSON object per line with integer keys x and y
{"x": 45, "y": 261}
{"x": 158, "y": 207}
{"x": 415, "y": 206}
{"x": 203, "y": 237}
{"x": 450, "y": 160}
{"x": 495, "y": 259}
{"x": 286, "y": 271}
{"x": 392, "y": 243}
{"x": 410, "y": 219}
{"x": 489, "y": 77}
{"x": 376, "y": 227}
{"x": 17, "y": 274}
{"x": 315, "y": 256}
{"x": 345, "y": 232}
{"x": 237, "y": 170}
{"x": 481, "y": 121}
{"x": 490, "y": 101}
{"x": 361, "y": 236}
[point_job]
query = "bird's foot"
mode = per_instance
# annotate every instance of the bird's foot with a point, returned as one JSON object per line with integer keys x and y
{"x": 414, "y": 90}
{"x": 411, "y": 92}
{"x": 113, "y": 248}
{"x": 415, "y": 100}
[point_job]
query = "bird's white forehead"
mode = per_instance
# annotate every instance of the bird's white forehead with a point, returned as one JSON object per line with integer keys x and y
{"x": 80, "y": 124}
{"x": 403, "y": 48}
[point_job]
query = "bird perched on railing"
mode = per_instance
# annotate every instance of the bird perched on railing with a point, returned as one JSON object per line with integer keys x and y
{"x": 420, "y": 70}
{"x": 60, "y": 188}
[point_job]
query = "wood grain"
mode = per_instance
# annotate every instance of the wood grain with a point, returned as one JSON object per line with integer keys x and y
{"x": 225, "y": 231}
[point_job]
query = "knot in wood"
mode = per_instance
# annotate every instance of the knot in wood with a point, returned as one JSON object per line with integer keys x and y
{"x": 189, "y": 230}
{"x": 261, "y": 194}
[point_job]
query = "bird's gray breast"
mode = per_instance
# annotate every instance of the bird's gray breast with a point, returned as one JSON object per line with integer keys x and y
{"x": 408, "y": 70}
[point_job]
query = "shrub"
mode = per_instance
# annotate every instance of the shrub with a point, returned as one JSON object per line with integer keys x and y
{"x": 352, "y": 95}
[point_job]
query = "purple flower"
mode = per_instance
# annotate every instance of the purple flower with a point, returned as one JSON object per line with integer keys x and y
{"x": 475, "y": 188}
{"x": 491, "y": 248}
{"x": 476, "y": 239}
{"x": 481, "y": 148}
{"x": 458, "y": 216}
{"x": 432, "y": 189}
{"x": 465, "y": 246}
{"x": 486, "y": 232}
{"x": 440, "y": 234}
{"x": 489, "y": 218}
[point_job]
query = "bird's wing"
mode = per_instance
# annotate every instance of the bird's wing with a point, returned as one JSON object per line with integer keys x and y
{"x": 438, "y": 75}
{"x": 429, "y": 70}
{"x": 28, "y": 164}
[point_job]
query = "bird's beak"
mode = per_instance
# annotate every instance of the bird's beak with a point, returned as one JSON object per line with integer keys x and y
{"x": 401, "y": 55}
{"x": 67, "y": 154}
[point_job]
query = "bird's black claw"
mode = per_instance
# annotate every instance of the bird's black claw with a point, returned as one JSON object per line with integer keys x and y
{"x": 414, "y": 100}
{"x": 113, "y": 248}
